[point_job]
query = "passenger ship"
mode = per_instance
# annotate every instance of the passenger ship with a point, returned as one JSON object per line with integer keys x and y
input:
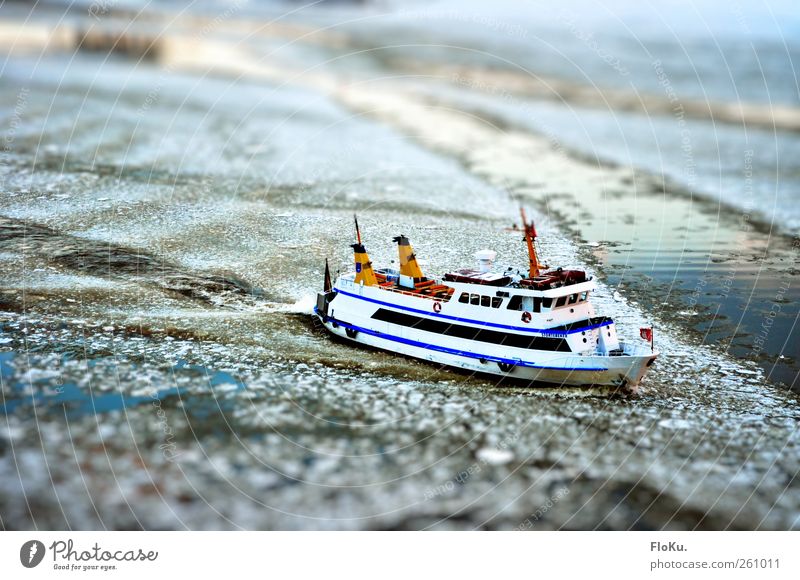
{"x": 539, "y": 328}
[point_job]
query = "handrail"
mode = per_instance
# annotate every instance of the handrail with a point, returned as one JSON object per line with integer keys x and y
{"x": 417, "y": 294}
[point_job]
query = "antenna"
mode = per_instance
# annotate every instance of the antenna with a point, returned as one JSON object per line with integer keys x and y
{"x": 358, "y": 232}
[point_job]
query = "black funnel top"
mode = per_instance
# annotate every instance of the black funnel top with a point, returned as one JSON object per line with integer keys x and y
{"x": 402, "y": 240}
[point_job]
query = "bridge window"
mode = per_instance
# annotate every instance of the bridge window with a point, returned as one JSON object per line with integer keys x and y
{"x": 464, "y": 298}
{"x": 573, "y": 298}
{"x": 561, "y": 301}
{"x": 475, "y": 299}
{"x": 537, "y": 303}
{"x": 547, "y": 303}
{"x": 496, "y": 302}
{"x": 486, "y": 301}
{"x": 515, "y": 303}
{"x": 584, "y": 296}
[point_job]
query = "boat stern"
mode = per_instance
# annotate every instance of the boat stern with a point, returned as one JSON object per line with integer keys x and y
{"x": 323, "y": 301}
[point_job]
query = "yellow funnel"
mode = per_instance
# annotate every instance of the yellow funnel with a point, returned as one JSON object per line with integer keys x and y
{"x": 364, "y": 272}
{"x": 408, "y": 260}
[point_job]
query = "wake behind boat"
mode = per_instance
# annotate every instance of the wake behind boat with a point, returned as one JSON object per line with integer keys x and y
{"x": 540, "y": 328}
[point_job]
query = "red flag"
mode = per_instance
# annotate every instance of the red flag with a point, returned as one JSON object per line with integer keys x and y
{"x": 646, "y": 333}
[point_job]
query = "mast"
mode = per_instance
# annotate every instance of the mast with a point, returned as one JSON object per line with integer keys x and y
{"x": 364, "y": 273}
{"x": 534, "y": 266}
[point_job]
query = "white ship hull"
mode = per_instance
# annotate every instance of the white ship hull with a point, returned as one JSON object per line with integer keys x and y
{"x": 415, "y": 326}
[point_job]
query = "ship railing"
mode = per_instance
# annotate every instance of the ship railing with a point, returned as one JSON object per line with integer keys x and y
{"x": 631, "y": 349}
{"x": 350, "y": 283}
{"x": 416, "y": 292}
{"x": 625, "y": 349}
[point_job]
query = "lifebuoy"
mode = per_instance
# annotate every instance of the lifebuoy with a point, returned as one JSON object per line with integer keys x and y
{"x": 526, "y": 317}
{"x": 437, "y": 306}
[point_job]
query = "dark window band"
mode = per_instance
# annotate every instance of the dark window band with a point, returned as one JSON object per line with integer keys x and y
{"x": 471, "y": 333}
{"x": 582, "y": 323}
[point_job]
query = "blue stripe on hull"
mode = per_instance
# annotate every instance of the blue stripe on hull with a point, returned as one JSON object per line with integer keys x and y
{"x": 464, "y": 353}
{"x": 542, "y": 331}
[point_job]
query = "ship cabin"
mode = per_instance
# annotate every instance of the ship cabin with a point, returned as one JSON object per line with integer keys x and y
{"x": 571, "y": 295}
{"x": 551, "y": 298}
{"x": 554, "y": 298}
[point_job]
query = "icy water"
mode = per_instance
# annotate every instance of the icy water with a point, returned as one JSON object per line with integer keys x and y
{"x": 163, "y": 228}
{"x": 720, "y": 265}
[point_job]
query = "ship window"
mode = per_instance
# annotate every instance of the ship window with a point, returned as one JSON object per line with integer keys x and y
{"x": 561, "y": 301}
{"x": 573, "y": 298}
{"x": 464, "y": 298}
{"x": 515, "y": 303}
{"x": 547, "y": 302}
{"x": 475, "y": 299}
{"x": 584, "y": 296}
{"x": 496, "y": 302}
{"x": 537, "y": 303}
{"x": 486, "y": 301}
